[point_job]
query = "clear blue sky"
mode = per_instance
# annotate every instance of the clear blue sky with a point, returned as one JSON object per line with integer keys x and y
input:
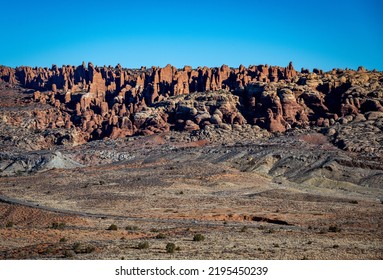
{"x": 321, "y": 33}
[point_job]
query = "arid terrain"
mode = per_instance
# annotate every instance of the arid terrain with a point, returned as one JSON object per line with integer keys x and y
{"x": 264, "y": 162}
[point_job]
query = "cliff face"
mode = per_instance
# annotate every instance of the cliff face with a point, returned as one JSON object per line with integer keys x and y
{"x": 101, "y": 102}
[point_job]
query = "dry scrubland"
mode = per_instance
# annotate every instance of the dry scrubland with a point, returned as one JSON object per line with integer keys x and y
{"x": 260, "y": 163}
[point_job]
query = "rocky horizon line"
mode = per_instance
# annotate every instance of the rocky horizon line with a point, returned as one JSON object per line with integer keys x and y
{"x": 146, "y": 67}
{"x": 99, "y": 102}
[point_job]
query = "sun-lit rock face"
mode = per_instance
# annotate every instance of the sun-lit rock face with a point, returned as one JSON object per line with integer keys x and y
{"x": 114, "y": 102}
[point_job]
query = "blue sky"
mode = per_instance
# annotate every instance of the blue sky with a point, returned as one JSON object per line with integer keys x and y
{"x": 323, "y": 34}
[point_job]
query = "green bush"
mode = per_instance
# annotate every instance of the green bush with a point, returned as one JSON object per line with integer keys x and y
{"x": 161, "y": 236}
{"x": 56, "y": 225}
{"x": 198, "y": 237}
{"x": 170, "y": 248}
{"x": 112, "y": 227}
{"x": 76, "y": 246}
{"x": 143, "y": 245}
{"x": 79, "y": 248}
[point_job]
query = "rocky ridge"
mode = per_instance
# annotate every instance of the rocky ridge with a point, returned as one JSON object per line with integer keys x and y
{"x": 79, "y": 104}
{"x": 74, "y": 105}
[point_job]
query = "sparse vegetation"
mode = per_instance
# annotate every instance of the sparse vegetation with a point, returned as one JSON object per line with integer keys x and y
{"x": 76, "y": 246}
{"x": 170, "y": 248}
{"x": 132, "y": 228}
{"x": 63, "y": 240}
{"x": 244, "y": 229}
{"x": 198, "y": 237}
{"x": 79, "y": 248}
{"x": 69, "y": 254}
{"x": 9, "y": 224}
{"x": 89, "y": 249}
{"x": 143, "y": 245}
{"x": 56, "y": 225}
{"x": 354, "y": 202}
{"x": 334, "y": 229}
{"x": 161, "y": 236}
{"x": 112, "y": 227}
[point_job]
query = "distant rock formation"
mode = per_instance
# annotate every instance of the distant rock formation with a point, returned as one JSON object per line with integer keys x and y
{"x": 154, "y": 83}
{"x": 115, "y": 102}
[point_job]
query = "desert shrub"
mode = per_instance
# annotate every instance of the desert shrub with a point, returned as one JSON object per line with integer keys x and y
{"x": 334, "y": 229}
{"x": 198, "y": 237}
{"x": 69, "y": 254}
{"x": 170, "y": 248}
{"x": 161, "y": 236}
{"x": 79, "y": 248}
{"x": 56, "y": 225}
{"x": 9, "y": 224}
{"x": 112, "y": 227}
{"x": 49, "y": 250}
{"x": 154, "y": 230}
{"x": 63, "y": 240}
{"x": 143, "y": 245}
{"x": 132, "y": 228}
{"x": 354, "y": 202}
{"x": 76, "y": 246}
{"x": 89, "y": 249}
{"x": 244, "y": 229}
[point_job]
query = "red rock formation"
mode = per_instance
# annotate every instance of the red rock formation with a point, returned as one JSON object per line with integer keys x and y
{"x": 116, "y": 102}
